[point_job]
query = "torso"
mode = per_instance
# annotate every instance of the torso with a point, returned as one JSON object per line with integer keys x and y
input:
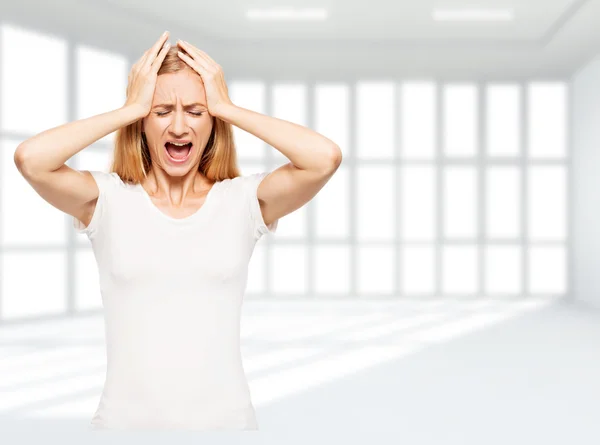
{"x": 172, "y": 291}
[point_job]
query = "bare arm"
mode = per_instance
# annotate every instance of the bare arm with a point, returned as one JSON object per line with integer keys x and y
{"x": 50, "y": 149}
{"x": 41, "y": 160}
{"x": 314, "y": 159}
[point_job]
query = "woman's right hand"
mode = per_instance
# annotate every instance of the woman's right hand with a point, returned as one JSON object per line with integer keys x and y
{"x": 143, "y": 74}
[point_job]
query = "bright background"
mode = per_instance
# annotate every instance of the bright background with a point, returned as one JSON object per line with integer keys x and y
{"x": 468, "y": 183}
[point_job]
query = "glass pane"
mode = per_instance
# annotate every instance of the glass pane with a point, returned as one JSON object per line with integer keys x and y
{"x": 547, "y": 203}
{"x": 376, "y": 270}
{"x": 289, "y": 103}
{"x": 33, "y": 93}
{"x": 252, "y": 168}
{"x": 375, "y": 120}
{"x": 503, "y": 202}
{"x": 249, "y": 95}
{"x": 418, "y": 269}
{"x": 23, "y": 296}
{"x": 87, "y": 281}
{"x": 460, "y": 120}
{"x": 548, "y": 270}
{"x": 418, "y": 199}
{"x": 332, "y": 114}
{"x": 547, "y": 119}
{"x": 503, "y": 120}
{"x": 23, "y": 208}
{"x": 288, "y": 269}
{"x": 101, "y": 83}
{"x": 375, "y": 203}
{"x": 94, "y": 157}
{"x": 332, "y": 207}
{"x": 332, "y": 270}
{"x": 503, "y": 269}
{"x": 460, "y": 269}
{"x": 460, "y": 202}
{"x": 418, "y": 116}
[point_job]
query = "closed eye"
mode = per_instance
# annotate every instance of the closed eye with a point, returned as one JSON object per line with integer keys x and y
{"x": 165, "y": 112}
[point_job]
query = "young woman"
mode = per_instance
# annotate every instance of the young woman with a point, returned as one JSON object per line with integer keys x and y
{"x": 173, "y": 226}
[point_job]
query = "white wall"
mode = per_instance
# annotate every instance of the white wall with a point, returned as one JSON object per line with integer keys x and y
{"x": 585, "y": 194}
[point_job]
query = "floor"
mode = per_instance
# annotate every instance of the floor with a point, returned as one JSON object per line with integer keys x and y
{"x": 397, "y": 372}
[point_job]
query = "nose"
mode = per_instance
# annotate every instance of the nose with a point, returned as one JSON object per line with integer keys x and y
{"x": 178, "y": 124}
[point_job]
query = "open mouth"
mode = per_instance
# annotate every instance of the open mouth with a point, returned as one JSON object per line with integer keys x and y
{"x": 177, "y": 153}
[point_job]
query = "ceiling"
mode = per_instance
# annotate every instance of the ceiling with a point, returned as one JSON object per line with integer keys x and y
{"x": 537, "y": 21}
{"x": 558, "y": 35}
{"x": 551, "y": 38}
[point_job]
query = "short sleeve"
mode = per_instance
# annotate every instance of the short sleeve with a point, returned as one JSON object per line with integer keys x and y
{"x": 256, "y": 218}
{"x": 104, "y": 181}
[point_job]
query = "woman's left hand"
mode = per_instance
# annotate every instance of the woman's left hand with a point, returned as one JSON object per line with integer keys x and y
{"x": 211, "y": 72}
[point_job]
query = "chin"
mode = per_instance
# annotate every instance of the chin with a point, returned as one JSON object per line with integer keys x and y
{"x": 178, "y": 171}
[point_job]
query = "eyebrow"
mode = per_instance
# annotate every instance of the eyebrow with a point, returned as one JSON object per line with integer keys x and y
{"x": 195, "y": 104}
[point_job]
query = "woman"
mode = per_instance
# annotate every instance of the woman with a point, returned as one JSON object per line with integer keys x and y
{"x": 173, "y": 227}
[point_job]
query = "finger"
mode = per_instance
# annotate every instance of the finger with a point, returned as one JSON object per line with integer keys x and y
{"x": 161, "y": 56}
{"x": 202, "y": 54}
{"x": 207, "y": 57}
{"x": 192, "y": 57}
{"x": 197, "y": 65}
{"x": 152, "y": 53}
{"x": 191, "y": 49}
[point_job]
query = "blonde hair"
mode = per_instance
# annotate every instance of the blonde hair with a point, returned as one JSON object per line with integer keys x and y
{"x": 131, "y": 155}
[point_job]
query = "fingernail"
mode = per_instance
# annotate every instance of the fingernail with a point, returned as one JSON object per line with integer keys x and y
{"x": 165, "y": 33}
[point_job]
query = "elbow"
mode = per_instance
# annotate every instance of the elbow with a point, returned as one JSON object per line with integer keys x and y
{"x": 22, "y": 160}
{"x": 328, "y": 161}
{"x": 19, "y": 158}
{"x": 335, "y": 158}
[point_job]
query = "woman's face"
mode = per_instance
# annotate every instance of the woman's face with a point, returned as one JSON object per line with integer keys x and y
{"x": 178, "y": 112}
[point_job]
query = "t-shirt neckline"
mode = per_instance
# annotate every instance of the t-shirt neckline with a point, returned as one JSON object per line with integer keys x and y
{"x": 197, "y": 214}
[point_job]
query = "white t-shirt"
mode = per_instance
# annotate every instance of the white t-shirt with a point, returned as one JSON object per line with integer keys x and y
{"x": 172, "y": 292}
